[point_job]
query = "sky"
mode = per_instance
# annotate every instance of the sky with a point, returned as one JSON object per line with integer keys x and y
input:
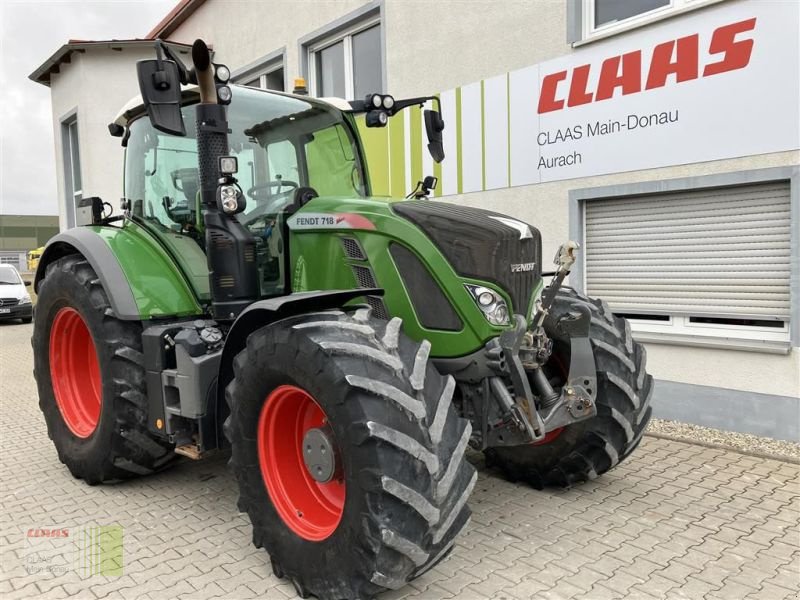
{"x": 30, "y": 32}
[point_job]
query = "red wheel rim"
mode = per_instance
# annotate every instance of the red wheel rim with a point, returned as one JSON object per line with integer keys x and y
{"x": 309, "y": 508}
{"x": 75, "y": 372}
{"x": 549, "y": 437}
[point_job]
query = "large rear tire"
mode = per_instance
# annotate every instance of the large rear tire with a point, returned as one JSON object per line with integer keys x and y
{"x": 90, "y": 373}
{"x": 589, "y": 448}
{"x": 398, "y": 497}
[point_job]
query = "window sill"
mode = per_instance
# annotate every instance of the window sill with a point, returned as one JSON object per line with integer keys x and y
{"x": 722, "y": 343}
{"x": 637, "y": 23}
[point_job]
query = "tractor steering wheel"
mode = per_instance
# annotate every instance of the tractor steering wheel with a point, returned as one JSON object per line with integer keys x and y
{"x": 279, "y": 183}
{"x": 272, "y": 207}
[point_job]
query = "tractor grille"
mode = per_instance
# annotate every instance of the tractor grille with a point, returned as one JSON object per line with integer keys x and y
{"x": 352, "y": 249}
{"x": 378, "y": 307}
{"x": 364, "y": 276}
{"x": 480, "y": 247}
{"x": 220, "y": 241}
{"x": 225, "y": 281}
{"x": 431, "y": 305}
{"x": 8, "y": 301}
{"x": 366, "y": 279}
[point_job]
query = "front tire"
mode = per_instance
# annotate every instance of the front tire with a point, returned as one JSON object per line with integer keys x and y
{"x": 398, "y": 499}
{"x": 90, "y": 373}
{"x": 586, "y": 449}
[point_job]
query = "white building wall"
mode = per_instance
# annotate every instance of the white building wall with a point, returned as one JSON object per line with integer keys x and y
{"x": 97, "y": 83}
{"x": 243, "y": 32}
{"x": 64, "y": 98}
{"x": 433, "y": 46}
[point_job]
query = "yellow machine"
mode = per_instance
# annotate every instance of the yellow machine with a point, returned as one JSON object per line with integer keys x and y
{"x": 33, "y": 258}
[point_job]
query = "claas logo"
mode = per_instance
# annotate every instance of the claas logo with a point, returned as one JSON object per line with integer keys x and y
{"x": 680, "y": 57}
{"x": 48, "y": 533}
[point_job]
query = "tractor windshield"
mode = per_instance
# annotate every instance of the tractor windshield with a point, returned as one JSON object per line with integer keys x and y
{"x": 281, "y": 143}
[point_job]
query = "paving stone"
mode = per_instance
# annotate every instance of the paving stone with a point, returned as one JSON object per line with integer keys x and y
{"x": 586, "y": 579}
{"x": 657, "y": 586}
{"x": 488, "y": 587}
{"x": 788, "y": 576}
{"x": 756, "y": 574}
{"x": 56, "y": 593}
{"x": 694, "y": 588}
{"x": 600, "y": 592}
{"x": 622, "y": 582}
{"x": 563, "y": 591}
{"x": 678, "y": 572}
{"x": 460, "y": 580}
{"x": 530, "y": 587}
{"x": 674, "y": 521}
{"x": 773, "y": 592}
{"x": 733, "y": 589}
{"x": 628, "y": 553}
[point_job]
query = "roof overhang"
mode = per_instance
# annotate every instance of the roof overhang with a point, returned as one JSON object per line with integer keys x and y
{"x": 182, "y": 11}
{"x": 63, "y": 55}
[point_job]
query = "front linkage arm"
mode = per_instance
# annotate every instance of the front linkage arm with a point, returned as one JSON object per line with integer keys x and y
{"x": 521, "y": 352}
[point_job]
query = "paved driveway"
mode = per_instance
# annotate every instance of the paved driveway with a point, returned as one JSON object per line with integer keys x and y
{"x": 674, "y": 521}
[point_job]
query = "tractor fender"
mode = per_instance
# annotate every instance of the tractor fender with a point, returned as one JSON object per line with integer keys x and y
{"x": 142, "y": 279}
{"x": 264, "y": 312}
{"x": 92, "y": 247}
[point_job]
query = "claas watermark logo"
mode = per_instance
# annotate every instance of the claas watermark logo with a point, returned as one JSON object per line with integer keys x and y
{"x": 95, "y": 550}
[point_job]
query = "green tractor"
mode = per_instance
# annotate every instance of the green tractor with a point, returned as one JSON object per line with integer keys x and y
{"x": 348, "y": 349}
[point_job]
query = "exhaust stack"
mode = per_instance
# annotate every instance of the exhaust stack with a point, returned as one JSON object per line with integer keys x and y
{"x": 230, "y": 248}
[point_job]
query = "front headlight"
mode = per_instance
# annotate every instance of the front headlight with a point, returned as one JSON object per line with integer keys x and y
{"x": 26, "y": 299}
{"x": 229, "y": 199}
{"x": 492, "y": 305}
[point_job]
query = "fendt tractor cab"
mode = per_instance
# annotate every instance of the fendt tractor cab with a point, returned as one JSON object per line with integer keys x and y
{"x": 347, "y": 348}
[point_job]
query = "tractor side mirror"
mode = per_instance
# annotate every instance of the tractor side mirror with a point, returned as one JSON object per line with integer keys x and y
{"x": 159, "y": 82}
{"x": 434, "y": 125}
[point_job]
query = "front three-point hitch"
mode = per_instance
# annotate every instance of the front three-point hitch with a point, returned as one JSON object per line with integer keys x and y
{"x": 530, "y": 405}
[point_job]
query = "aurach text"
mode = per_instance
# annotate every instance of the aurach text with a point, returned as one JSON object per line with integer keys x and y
{"x": 732, "y": 54}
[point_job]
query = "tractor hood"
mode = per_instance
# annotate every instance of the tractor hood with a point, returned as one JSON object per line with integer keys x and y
{"x": 481, "y": 244}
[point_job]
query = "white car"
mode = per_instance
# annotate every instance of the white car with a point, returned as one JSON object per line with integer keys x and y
{"x": 15, "y": 302}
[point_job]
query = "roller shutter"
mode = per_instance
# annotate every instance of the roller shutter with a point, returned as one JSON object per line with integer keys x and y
{"x": 712, "y": 252}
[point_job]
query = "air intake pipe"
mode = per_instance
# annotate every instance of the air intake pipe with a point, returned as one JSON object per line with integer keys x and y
{"x": 230, "y": 248}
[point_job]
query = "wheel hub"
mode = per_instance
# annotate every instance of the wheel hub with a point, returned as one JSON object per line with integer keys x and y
{"x": 319, "y": 454}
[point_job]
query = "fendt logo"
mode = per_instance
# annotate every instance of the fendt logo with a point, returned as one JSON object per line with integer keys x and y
{"x": 522, "y": 267}
{"x": 733, "y": 54}
{"x": 48, "y": 533}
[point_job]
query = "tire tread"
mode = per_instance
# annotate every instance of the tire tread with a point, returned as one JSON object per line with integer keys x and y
{"x": 623, "y": 408}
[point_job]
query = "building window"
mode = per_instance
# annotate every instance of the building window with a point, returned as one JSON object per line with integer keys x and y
{"x": 600, "y": 18}
{"x": 609, "y": 12}
{"x": 267, "y": 73}
{"x": 708, "y": 264}
{"x": 271, "y": 80}
{"x": 269, "y": 77}
{"x": 73, "y": 185}
{"x": 348, "y": 64}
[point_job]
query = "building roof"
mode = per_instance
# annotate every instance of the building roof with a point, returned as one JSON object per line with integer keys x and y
{"x": 64, "y": 53}
{"x": 182, "y": 11}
